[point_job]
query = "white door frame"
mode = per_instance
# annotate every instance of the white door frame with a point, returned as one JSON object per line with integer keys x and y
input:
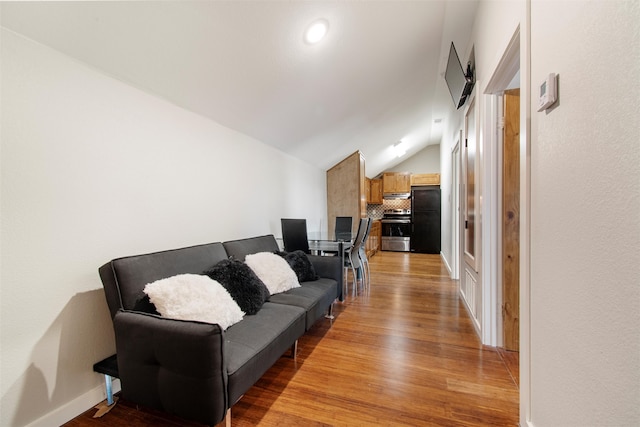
{"x": 455, "y": 209}
{"x": 517, "y": 56}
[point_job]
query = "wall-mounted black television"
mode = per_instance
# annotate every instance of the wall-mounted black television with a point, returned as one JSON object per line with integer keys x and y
{"x": 459, "y": 80}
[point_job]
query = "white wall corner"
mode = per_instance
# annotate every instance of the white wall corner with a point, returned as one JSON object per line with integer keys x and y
{"x": 77, "y": 406}
{"x": 446, "y": 263}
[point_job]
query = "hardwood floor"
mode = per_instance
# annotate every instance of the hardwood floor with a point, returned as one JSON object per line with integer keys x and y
{"x": 404, "y": 354}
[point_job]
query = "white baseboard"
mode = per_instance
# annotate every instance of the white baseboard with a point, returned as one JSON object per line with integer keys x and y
{"x": 474, "y": 321}
{"x": 446, "y": 263}
{"x": 77, "y": 406}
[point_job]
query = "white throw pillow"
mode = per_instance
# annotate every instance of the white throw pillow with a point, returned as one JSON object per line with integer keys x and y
{"x": 274, "y": 271}
{"x": 194, "y": 297}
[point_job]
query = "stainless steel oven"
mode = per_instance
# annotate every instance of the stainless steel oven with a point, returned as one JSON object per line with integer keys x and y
{"x": 396, "y": 230}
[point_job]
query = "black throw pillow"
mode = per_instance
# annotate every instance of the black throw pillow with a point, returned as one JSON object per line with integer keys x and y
{"x": 242, "y": 284}
{"x": 301, "y": 264}
{"x": 145, "y": 305}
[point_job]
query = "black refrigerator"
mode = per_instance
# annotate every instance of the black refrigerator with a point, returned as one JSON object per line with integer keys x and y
{"x": 425, "y": 219}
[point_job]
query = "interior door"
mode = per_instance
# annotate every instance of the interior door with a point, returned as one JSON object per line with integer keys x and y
{"x": 470, "y": 278}
{"x": 511, "y": 221}
{"x": 455, "y": 210}
{"x": 470, "y": 194}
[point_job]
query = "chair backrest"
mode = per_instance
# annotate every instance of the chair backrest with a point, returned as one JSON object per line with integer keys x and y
{"x": 294, "y": 234}
{"x": 357, "y": 243}
{"x": 359, "y": 240}
{"x": 344, "y": 224}
{"x": 366, "y": 234}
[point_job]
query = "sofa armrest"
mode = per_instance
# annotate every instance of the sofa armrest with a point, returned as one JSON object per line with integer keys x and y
{"x": 329, "y": 267}
{"x": 172, "y": 365}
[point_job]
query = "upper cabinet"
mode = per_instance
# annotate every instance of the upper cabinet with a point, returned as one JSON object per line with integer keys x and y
{"x": 374, "y": 191}
{"x": 396, "y": 182}
{"x": 346, "y": 190}
{"x": 425, "y": 179}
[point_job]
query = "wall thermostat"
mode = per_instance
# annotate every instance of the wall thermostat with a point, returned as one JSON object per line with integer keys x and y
{"x": 548, "y": 92}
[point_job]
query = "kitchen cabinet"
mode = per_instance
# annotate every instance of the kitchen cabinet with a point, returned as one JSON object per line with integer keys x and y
{"x": 425, "y": 179}
{"x": 396, "y": 182}
{"x": 375, "y": 238}
{"x": 374, "y": 192}
{"x": 346, "y": 190}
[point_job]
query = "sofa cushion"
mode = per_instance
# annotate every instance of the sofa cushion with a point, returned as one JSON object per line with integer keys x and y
{"x": 194, "y": 297}
{"x": 315, "y": 297}
{"x": 243, "y": 284}
{"x": 300, "y": 264}
{"x": 274, "y": 271}
{"x": 255, "y": 344}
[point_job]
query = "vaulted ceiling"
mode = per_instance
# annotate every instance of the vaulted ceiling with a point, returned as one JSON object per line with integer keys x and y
{"x": 376, "y": 77}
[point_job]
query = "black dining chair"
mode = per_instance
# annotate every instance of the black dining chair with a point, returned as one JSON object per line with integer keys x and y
{"x": 294, "y": 235}
{"x": 344, "y": 224}
{"x": 342, "y": 232}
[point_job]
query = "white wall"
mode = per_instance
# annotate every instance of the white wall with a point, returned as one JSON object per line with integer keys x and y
{"x": 426, "y": 160}
{"x": 585, "y": 215}
{"x": 93, "y": 169}
{"x": 584, "y": 291}
{"x": 494, "y": 26}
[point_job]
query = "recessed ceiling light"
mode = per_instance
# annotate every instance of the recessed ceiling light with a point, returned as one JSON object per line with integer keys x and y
{"x": 316, "y": 31}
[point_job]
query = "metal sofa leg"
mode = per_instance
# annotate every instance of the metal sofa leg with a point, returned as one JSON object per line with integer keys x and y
{"x": 294, "y": 350}
{"x": 227, "y": 420}
{"x": 108, "y": 382}
{"x": 329, "y": 314}
{"x": 106, "y": 405}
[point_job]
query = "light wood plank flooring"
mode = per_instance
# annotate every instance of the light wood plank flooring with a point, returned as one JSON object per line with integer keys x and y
{"x": 403, "y": 354}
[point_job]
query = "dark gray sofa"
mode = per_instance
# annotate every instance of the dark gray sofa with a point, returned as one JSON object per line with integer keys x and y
{"x": 196, "y": 370}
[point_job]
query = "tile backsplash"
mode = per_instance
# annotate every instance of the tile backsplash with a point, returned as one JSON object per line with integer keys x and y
{"x": 376, "y": 211}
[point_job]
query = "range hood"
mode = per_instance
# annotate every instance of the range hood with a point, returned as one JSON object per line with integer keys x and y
{"x": 390, "y": 196}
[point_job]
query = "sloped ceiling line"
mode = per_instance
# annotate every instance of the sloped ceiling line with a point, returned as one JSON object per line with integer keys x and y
{"x": 373, "y": 80}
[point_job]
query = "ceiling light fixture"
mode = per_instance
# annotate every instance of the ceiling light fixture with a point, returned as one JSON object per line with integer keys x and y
{"x": 400, "y": 148}
{"x": 316, "y": 31}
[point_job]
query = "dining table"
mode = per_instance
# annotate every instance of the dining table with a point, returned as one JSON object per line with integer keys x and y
{"x": 320, "y": 241}
{"x": 324, "y": 243}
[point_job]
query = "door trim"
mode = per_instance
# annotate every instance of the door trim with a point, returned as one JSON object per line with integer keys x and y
{"x": 519, "y": 49}
{"x": 455, "y": 209}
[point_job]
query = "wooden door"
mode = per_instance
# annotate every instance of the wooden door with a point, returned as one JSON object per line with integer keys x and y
{"x": 511, "y": 221}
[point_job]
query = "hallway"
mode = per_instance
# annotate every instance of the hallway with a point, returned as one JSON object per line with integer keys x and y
{"x": 404, "y": 354}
